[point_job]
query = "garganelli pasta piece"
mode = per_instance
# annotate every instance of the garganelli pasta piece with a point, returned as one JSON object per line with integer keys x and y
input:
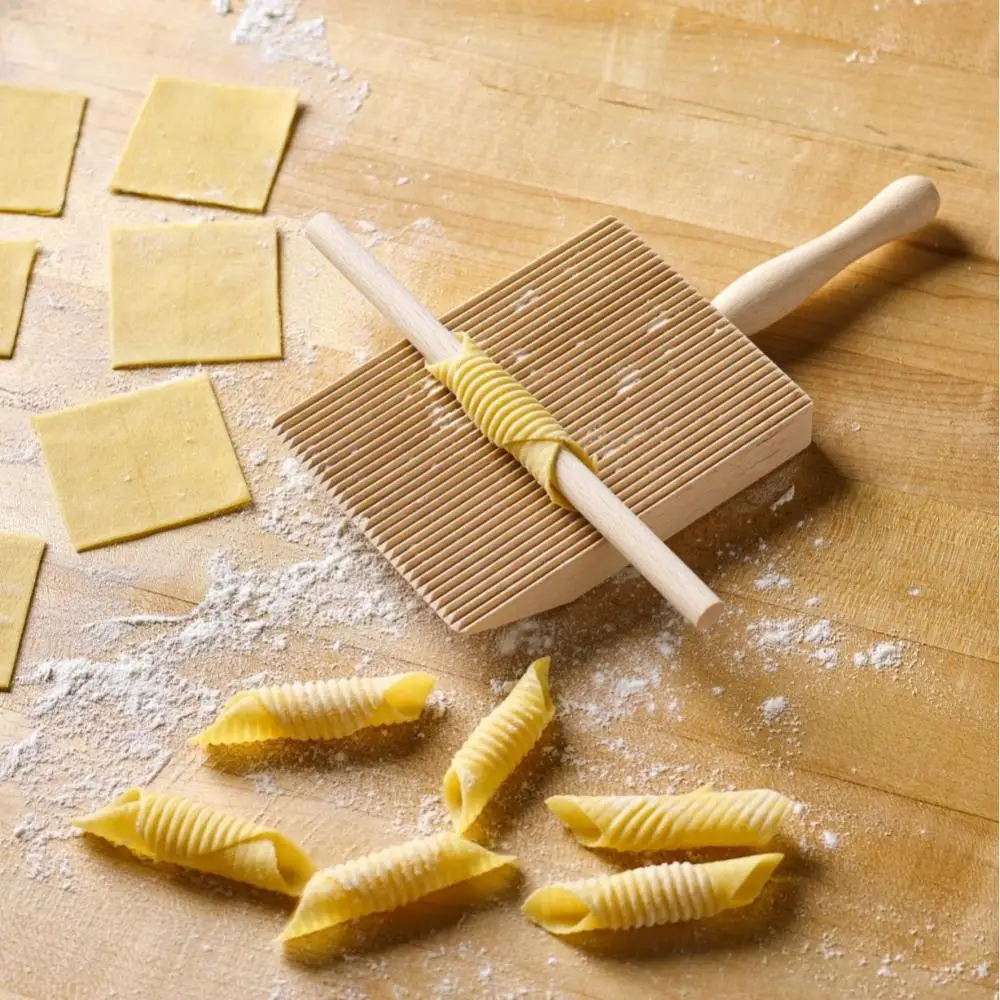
{"x": 318, "y": 710}
{"x": 497, "y": 745}
{"x": 508, "y": 414}
{"x": 388, "y": 879}
{"x": 165, "y": 828}
{"x": 656, "y": 894}
{"x": 673, "y": 822}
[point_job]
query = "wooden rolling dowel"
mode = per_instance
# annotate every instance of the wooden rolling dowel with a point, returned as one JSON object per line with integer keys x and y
{"x": 613, "y": 519}
{"x": 776, "y": 287}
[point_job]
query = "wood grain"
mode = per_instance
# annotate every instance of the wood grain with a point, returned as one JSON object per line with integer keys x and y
{"x": 723, "y": 134}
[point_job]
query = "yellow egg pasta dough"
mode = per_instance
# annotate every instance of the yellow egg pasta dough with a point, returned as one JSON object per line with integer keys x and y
{"x": 129, "y": 465}
{"x": 209, "y": 143}
{"x": 189, "y": 294}
{"x": 20, "y": 558}
{"x": 38, "y": 135}
{"x": 16, "y": 259}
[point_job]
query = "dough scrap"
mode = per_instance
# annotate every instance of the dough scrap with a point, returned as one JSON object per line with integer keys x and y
{"x": 182, "y": 294}
{"x": 209, "y": 143}
{"x": 38, "y": 133}
{"x": 15, "y": 268}
{"x": 137, "y": 463}
{"x": 20, "y": 557}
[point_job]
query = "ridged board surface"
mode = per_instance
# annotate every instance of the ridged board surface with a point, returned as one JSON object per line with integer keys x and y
{"x": 642, "y": 371}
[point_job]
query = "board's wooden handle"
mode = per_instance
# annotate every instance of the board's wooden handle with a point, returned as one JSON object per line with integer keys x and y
{"x": 612, "y": 518}
{"x": 776, "y": 287}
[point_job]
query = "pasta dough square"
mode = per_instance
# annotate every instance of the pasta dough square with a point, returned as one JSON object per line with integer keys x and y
{"x": 182, "y": 294}
{"x": 20, "y": 557}
{"x": 15, "y": 267}
{"x": 208, "y": 143}
{"x": 38, "y": 133}
{"x": 134, "y": 464}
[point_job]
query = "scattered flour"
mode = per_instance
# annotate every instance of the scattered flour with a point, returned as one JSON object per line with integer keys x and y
{"x": 787, "y": 497}
{"x": 617, "y": 695}
{"x": 26, "y": 453}
{"x": 98, "y": 728}
{"x": 264, "y": 783}
{"x": 772, "y": 580}
{"x": 860, "y": 56}
{"x": 780, "y": 635}
{"x": 374, "y": 237}
{"x": 628, "y": 378}
{"x": 820, "y": 632}
{"x": 432, "y": 817}
{"x": 882, "y": 656}
{"x": 827, "y": 657}
{"x": 273, "y": 26}
{"x": 100, "y": 725}
{"x": 773, "y": 708}
{"x": 529, "y": 637}
{"x": 831, "y": 840}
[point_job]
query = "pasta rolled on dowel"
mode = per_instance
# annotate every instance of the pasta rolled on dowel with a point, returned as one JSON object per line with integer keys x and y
{"x": 497, "y": 745}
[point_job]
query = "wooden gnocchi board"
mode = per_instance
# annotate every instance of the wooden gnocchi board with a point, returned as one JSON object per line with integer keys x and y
{"x": 462, "y": 142}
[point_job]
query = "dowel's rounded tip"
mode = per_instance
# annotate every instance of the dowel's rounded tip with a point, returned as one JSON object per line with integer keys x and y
{"x": 315, "y": 226}
{"x": 710, "y": 614}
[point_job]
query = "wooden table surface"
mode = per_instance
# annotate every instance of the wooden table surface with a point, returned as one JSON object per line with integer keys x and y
{"x": 461, "y": 140}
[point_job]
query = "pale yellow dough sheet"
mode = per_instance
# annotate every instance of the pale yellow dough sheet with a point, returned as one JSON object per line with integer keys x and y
{"x": 15, "y": 267}
{"x": 38, "y": 134}
{"x": 182, "y": 294}
{"x": 20, "y": 557}
{"x": 133, "y": 464}
{"x": 208, "y": 143}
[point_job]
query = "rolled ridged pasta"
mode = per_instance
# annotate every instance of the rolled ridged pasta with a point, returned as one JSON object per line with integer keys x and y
{"x": 508, "y": 414}
{"x": 386, "y": 880}
{"x": 318, "y": 710}
{"x": 497, "y": 745}
{"x": 166, "y": 828}
{"x": 656, "y": 894}
{"x": 673, "y": 822}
